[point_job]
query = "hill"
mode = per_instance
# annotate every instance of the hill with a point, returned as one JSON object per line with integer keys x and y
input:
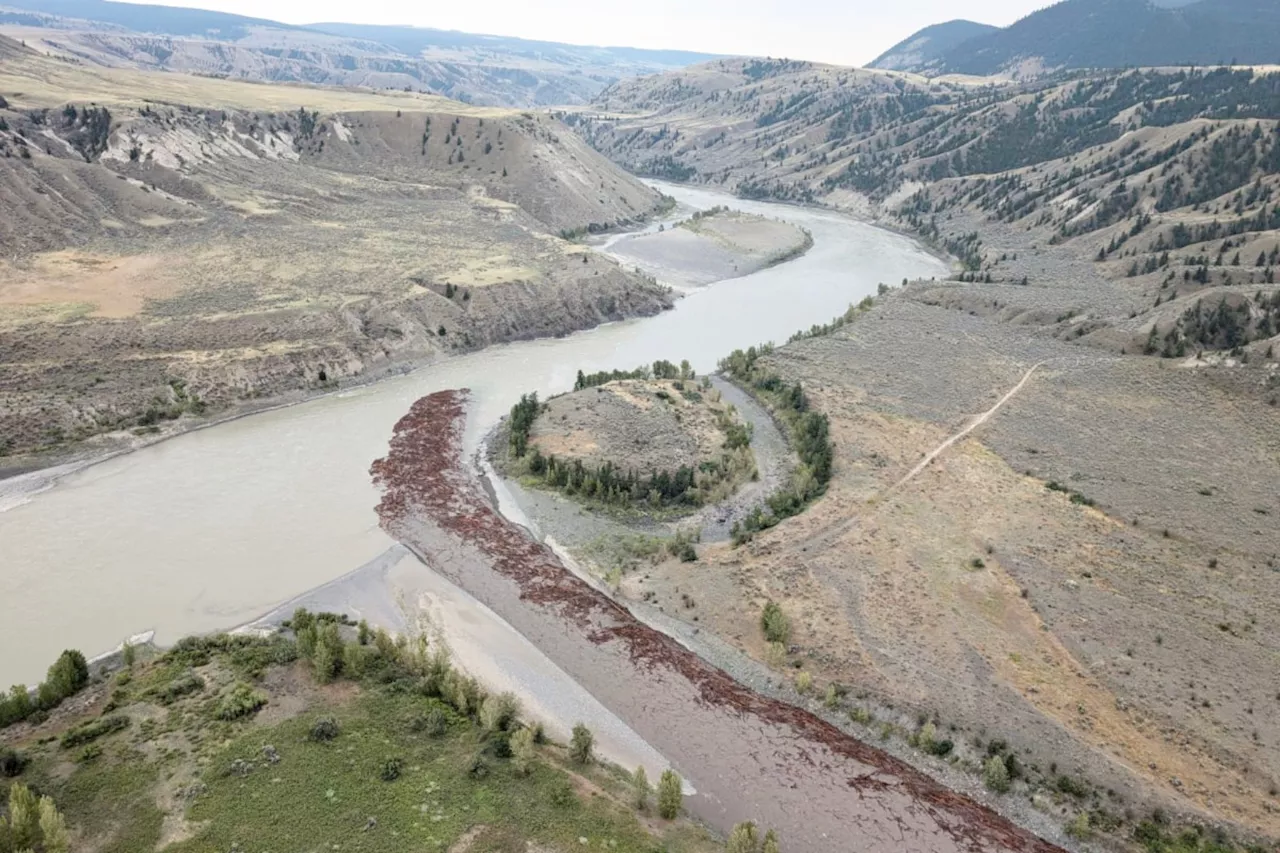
{"x": 326, "y": 735}
{"x": 472, "y": 68}
{"x": 1113, "y": 34}
{"x": 923, "y": 51}
{"x": 185, "y": 245}
{"x": 1116, "y": 238}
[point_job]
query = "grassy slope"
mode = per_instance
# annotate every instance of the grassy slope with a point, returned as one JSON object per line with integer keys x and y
{"x": 167, "y": 778}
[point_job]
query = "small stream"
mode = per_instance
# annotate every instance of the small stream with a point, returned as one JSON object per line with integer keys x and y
{"x": 213, "y": 528}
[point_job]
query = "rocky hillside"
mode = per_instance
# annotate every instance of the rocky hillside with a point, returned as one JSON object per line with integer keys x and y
{"x": 1100, "y": 34}
{"x": 166, "y": 257}
{"x": 1162, "y": 178}
{"x": 1116, "y": 241}
{"x": 472, "y": 68}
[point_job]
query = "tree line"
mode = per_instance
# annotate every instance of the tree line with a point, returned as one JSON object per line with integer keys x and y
{"x": 809, "y": 432}
{"x": 66, "y": 677}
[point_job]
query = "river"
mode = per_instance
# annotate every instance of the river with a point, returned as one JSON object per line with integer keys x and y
{"x": 213, "y": 528}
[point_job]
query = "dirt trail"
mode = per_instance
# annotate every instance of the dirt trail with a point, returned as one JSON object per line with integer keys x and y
{"x": 974, "y": 424}
{"x": 750, "y": 757}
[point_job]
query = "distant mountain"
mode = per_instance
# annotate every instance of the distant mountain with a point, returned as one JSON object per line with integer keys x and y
{"x": 479, "y": 69}
{"x": 414, "y": 40}
{"x": 1117, "y": 34}
{"x": 164, "y": 20}
{"x": 922, "y": 51}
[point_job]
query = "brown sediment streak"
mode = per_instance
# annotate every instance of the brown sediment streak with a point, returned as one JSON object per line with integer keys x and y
{"x": 425, "y": 477}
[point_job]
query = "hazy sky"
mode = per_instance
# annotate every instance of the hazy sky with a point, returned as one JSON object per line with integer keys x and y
{"x": 851, "y": 32}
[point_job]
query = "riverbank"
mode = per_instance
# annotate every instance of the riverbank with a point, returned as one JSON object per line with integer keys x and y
{"x": 290, "y": 483}
{"x": 711, "y": 246}
{"x": 749, "y": 757}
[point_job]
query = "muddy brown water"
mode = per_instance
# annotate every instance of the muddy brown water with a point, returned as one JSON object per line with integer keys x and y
{"x": 213, "y": 528}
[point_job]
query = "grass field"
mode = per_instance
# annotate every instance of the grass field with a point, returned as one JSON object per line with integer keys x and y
{"x": 400, "y": 771}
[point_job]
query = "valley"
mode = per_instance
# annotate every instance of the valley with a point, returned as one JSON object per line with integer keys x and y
{"x": 1079, "y": 577}
{"x": 889, "y": 451}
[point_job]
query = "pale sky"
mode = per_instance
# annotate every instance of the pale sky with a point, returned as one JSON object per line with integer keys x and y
{"x": 848, "y": 32}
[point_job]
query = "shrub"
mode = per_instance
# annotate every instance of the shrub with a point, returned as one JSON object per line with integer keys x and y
{"x": 435, "y": 723}
{"x": 1072, "y": 786}
{"x": 242, "y": 701}
{"x": 580, "y": 744}
{"x": 498, "y": 744}
{"x": 129, "y": 654}
{"x": 359, "y": 661}
{"x": 640, "y": 789}
{"x": 389, "y": 770}
{"x": 523, "y": 752}
{"x": 804, "y": 682}
{"x": 69, "y": 673}
{"x": 742, "y": 839}
{"x": 326, "y": 660}
{"x": 479, "y": 766}
{"x": 181, "y": 686}
{"x": 16, "y": 707}
{"x": 770, "y": 844}
{"x": 462, "y": 692}
{"x": 942, "y": 748}
{"x": 832, "y": 698}
{"x": 995, "y": 775}
{"x": 323, "y": 729}
{"x": 670, "y": 794}
{"x": 92, "y": 730}
{"x": 776, "y": 625}
{"x": 1080, "y": 827}
{"x": 12, "y": 762}
{"x": 497, "y": 713}
{"x": 33, "y": 823}
{"x": 562, "y": 794}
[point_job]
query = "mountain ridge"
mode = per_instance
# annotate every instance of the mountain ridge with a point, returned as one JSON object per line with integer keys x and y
{"x": 472, "y": 68}
{"x": 1083, "y": 34}
{"x": 925, "y": 47}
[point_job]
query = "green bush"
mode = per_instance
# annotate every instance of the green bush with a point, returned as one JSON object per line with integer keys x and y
{"x": 562, "y": 794}
{"x": 435, "y": 723}
{"x": 640, "y": 789}
{"x": 68, "y": 674}
{"x": 323, "y": 729}
{"x": 523, "y": 751}
{"x": 242, "y": 701}
{"x": 390, "y": 769}
{"x": 775, "y": 624}
{"x": 92, "y": 730}
{"x": 12, "y": 762}
{"x": 326, "y": 660}
{"x": 580, "y": 744}
{"x": 770, "y": 844}
{"x": 670, "y": 795}
{"x": 497, "y": 713}
{"x": 995, "y": 775}
{"x": 183, "y": 685}
{"x": 479, "y": 767}
{"x": 742, "y": 839}
{"x": 1072, "y": 787}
